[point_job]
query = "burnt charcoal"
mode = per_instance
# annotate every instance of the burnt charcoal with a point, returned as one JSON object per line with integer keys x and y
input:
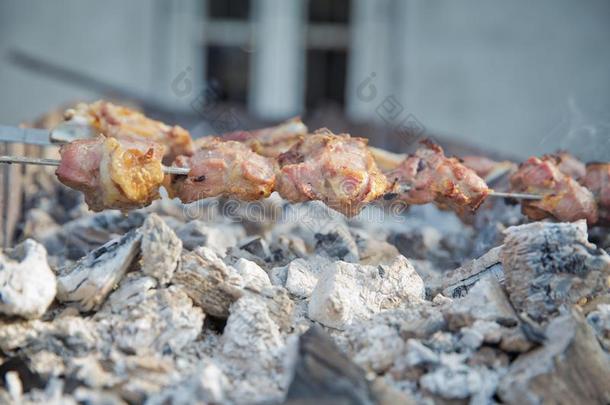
{"x": 459, "y": 281}
{"x": 87, "y": 283}
{"x": 550, "y": 265}
{"x": 294, "y": 303}
{"x": 256, "y": 246}
{"x": 416, "y": 244}
{"x": 338, "y": 244}
{"x": 570, "y": 367}
{"x": 324, "y": 375}
{"x": 30, "y": 379}
{"x": 219, "y": 237}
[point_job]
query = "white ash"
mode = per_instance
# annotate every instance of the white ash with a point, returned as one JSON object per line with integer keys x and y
{"x": 218, "y": 237}
{"x": 252, "y": 346}
{"x": 87, "y": 283}
{"x": 27, "y": 284}
{"x": 382, "y": 346}
{"x": 253, "y": 276}
{"x": 599, "y": 319}
{"x": 210, "y": 283}
{"x": 160, "y": 249}
{"x": 548, "y": 266}
{"x": 300, "y": 276}
{"x": 373, "y": 251}
{"x": 219, "y": 321}
{"x": 215, "y": 286}
{"x": 208, "y": 384}
{"x": 40, "y": 225}
{"x": 459, "y": 381}
{"x": 66, "y": 337}
{"x": 418, "y": 354}
{"x": 161, "y": 320}
{"x": 485, "y": 301}
{"x": 463, "y": 278}
{"x": 346, "y": 292}
{"x": 570, "y": 368}
{"x": 14, "y": 386}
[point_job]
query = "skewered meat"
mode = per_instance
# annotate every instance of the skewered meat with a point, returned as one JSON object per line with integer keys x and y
{"x": 487, "y": 168}
{"x": 224, "y": 168}
{"x": 433, "y": 177}
{"x": 273, "y": 141}
{"x": 568, "y": 164}
{"x": 480, "y": 164}
{"x": 597, "y": 180}
{"x": 563, "y": 198}
{"x": 112, "y": 173}
{"x": 336, "y": 169}
{"x": 124, "y": 123}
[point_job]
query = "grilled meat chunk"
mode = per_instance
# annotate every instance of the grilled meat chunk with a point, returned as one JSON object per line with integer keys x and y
{"x": 597, "y": 180}
{"x": 567, "y": 164}
{"x": 433, "y": 177}
{"x": 563, "y": 198}
{"x": 272, "y": 141}
{"x": 123, "y": 123}
{"x": 336, "y": 169}
{"x": 224, "y": 168}
{"x": 488, "y": 168}
{"x": 112, "y": 173}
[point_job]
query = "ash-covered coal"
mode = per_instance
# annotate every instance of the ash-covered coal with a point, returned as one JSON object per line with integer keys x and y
{"x": 300, "y": 305}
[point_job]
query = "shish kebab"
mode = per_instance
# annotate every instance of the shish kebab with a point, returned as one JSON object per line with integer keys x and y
{"x": 122, "y": 170}
{"x": 337, "y": 169}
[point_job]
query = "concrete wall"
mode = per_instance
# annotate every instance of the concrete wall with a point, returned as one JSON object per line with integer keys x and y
{"x": 140, "y": 45}
{"x": 524, "y": 76}
{"x": 518, "y": 76}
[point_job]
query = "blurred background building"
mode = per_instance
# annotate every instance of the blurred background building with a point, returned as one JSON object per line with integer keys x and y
{"x": 516, "y": 77}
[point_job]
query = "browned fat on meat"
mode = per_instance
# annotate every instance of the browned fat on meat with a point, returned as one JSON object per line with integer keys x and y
{"x": 563, "y": 198}
{"x": 567, "y": 164}
{"x": 433, "y": 177}
{"x": 124, "y": 123}
{"x": 112, "y": 173}
{"x": 336, "y": 169}
{"x": 272, "y": 141}
{"x": 224, "y": 168}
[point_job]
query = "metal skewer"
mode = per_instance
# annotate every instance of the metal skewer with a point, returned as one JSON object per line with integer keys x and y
{"x": 519, "y": 196}
{"x": 54, "y": 162}
{"x": 185, "y": 171}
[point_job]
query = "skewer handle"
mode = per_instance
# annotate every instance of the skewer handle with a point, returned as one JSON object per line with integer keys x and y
{"x": 23, "y": 160}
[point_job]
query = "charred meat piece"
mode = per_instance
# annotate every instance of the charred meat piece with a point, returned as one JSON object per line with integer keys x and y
{"x": 433, "y": 177}
{"x": 567, "y": 164}
{"x": 224, "y": 168}
{"x": 563, "y": 198}
{"x": 112, "y": 173}
{"x": 273, "y": 141}
{"x": 597, "y": 180}
{"x": 336, "y": 169}
{"x": 123, "y": 123}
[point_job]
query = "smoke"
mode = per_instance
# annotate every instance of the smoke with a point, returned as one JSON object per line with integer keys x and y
{"x": 585, "y": 134}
